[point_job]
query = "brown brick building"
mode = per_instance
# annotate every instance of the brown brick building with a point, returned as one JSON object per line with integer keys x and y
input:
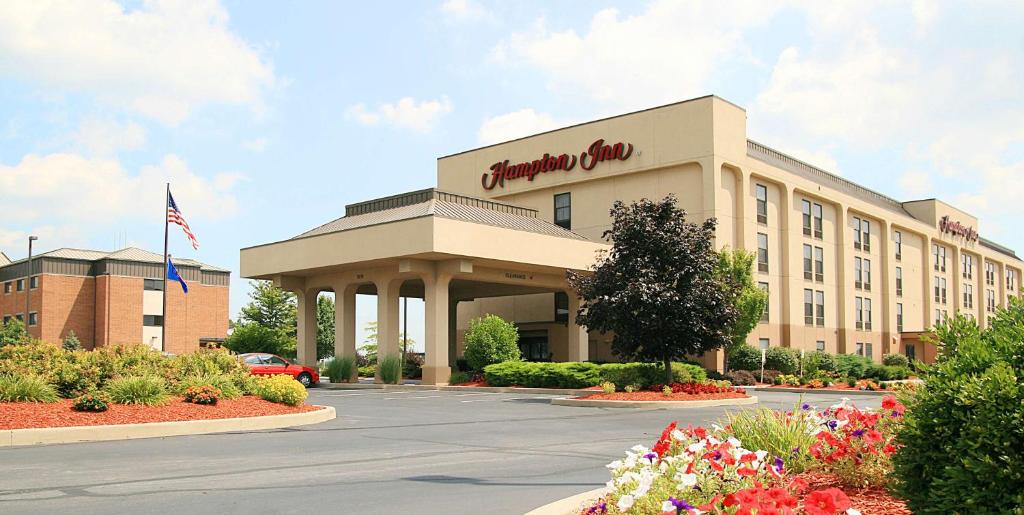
{"x": 115, "y": 298}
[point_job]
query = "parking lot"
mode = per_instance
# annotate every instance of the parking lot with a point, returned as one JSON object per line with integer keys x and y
{"x": 388, "y": 451}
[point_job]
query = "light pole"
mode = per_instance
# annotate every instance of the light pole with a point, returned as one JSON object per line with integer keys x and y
{"x": 28, "y": 281}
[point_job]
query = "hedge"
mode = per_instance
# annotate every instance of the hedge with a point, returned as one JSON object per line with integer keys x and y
{"x": 643, "y": 375}
{"x": 583, "y": 375}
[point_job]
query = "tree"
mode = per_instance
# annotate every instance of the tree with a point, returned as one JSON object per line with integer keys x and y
{"x": 270, "y": 307}
{"x": 735, "y": 271}
{"x": 324, "y": 327}
{"x": 657, "y": 289}
{"x": 489, "y": 340}
{"x": 369, "y": 346}
{"x": 252, "y": 337}
{"x": 13, "y": 331}
{"x": 71, "y": 342}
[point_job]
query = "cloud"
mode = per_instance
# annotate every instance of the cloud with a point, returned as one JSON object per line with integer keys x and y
{"x": 104, "y": 137}
{"x": 162, "y": 60}
{"x": 516, "y": 124}
{"x": 463, "y": 10}
{"x": 407, "y": 113}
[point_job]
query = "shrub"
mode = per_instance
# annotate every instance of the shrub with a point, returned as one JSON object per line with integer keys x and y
{"x": 282, "y": 389}
{"x": 207, "y": 362}
{"x": 253, "y": 337}
{"x": 780, "y": 435}
{"x": 75, "y": 378}
{"x": 769, "y": 375}
{"x": 788, "y": 380}
{"x": 783, "y": 359}
{"x": 92, "y": 402}
{"x": 390, "y": 369}
{"x": 340, "y": 369}
{"x": 607, "y": 387}
{"x": 666, "y": 390}
{"x": 462, "y": 365}
{"x": 543, "y": 375}
{"x": 13, "y": 332}
{"x": 224, "y": 383}
{"x": 71, "y": 342}
{"x": 851, "y": 365}
{"x": 491, "y": 340}
{"x": 741, "y": 378}
{"x": 644, "y": 375}
{"x": 460, "y": 378}
{"x": 819, "y": 364}
{"x": 413, "y": 366}
{"x": 206, "y": 394}
{"x": 26, "y": 388}
{"x": 367, "y": 371}
{"x": 149, "y": 390}
{"x": 896, "y": 360}
{"x": 744, "y": 357}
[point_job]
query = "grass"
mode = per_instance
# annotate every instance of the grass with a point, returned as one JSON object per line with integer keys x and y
{"x": 340, "y": 369}
{"x": 390, "y": 369}
{"x": 772, "y": 431}
{"x": 148, "y": 390}
{"x": 26, "y": 388}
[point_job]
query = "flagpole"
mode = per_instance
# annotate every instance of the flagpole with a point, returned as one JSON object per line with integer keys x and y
{"x": 163, "y": 313}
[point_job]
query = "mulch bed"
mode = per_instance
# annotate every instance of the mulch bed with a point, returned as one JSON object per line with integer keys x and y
{"x": 22, "y": 415}
{"x": 834, "y": 388}
{"x": 658, "y": 396}
{"x": 869, "y": 501}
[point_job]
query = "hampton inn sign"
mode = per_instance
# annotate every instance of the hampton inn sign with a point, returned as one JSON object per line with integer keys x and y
{"x": 596, "y": 153}
{"x": 957, "y": 229}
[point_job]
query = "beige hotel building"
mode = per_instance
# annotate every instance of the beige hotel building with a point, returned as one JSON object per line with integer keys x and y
{"x": 847, "y": 269}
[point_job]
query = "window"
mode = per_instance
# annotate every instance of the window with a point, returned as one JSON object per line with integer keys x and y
{"x": 1009, "y": 280}
{"x": 968, "y": 296}
{"x": 935, "y": 256}
{"x": 7, "y": 287}
{"x": 899, "y": 281}
{"x": 7, "y": 318}
{"x": 20, "y": 317}
{"x": 858, "y": 309}
{"x": 866, "y": 229}
{"x": 858, "y": 273}
{"x": 153, "y": 284}
{"x": 990, "y": 301}
{"x": 764, "y": 343}
{"x": 563, "y": 210}
{"x": 942, "y": 258}
{"x": 253, "y": 360}
{"x": 942, "y": 283}
{"x": 33, "y": 318}
{"x": 860, "y": 349}
{"x": 819, "y": 308}
{"x": 967, "y": 263}
{"x": 911, "y": 352}
{"x": 856, "y": 233}
{"x": 152, "y": 320}
{"x": 808, "y": 307}
{"x": 990, "y": 274}
{"x": 764, "y": 288}
{"x": 561, "y": 307}
{"x": 817, "y": 221}
{"x": 820, "y": 345}
{"x": 808, "y": 263}
{"x": 806, "y": 206}
{"x": 899, "y": 317}
{"x": 274, "y": 361}
{"x": 21, "y": 285}
{"x": 33, "y": 282}
{"x": 868, "y": 351}
{"x": 867, "y": 314}
{"x": 937, "y": 296}
{"x": 898, "y": 239}
{"x": 762, "y": 203}
{"x": 819, "y": 264}
{"x": 762, "y": 252}
{"x": 867, "y": 274}
{"x": 938, "y": 316}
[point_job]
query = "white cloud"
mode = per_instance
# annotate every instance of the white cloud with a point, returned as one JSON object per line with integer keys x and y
{"x": 516, "y": 124}
{"x": 916, "y": 184}
{"x": 104, "y": 137}
{"x": 162, "y": 60}
{"x": 463, "y": 10}
{"x": 407, "y": 113}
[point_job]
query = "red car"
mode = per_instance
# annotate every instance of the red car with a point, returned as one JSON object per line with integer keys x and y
{"x": 271, "y": 364}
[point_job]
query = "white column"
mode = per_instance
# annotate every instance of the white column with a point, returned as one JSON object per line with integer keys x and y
{"x": 436, "y": 369}
{"x": 387, "y": 318}
{"x": 306, "y": 334}
{"x": 578, "y": 338}
{"x": 345, "y": 323}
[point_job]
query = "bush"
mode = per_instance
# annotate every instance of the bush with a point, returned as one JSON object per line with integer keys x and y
{"x": 413, "y": 366}
{"x": 741, "y": 377}
{"x": 252, "y": 337}
{"x": 390, "y": 369}
{"x": 462, "y": 365}
{"x": 780, "y": 436}
{"x": 340, "y": 368}
{"x": 73, "y": 379}
{"x": 26, "y": 388}
{"x": 91, "y": 402}
{"x": 367, "y": 371}
{"x": 607, "y": 387}
{"x": 851, "y": 365}
{"x": 962, "y": 437}
{"x": 225, "y": 383}
{"x": 206, "y": 395}
{"x": 896, "y": 360}
{"x": 13, "y": 332}
{"x": 744, "y": 357}
{"x": 460, "y": 378}
{"x": 282, "y": 389}
{"x": 149, "y": 390}
{"x": 491, "y": 340}
{"x": 885, "y": 372}
{"x": 819, "y": 364}
{"x": 643, "y": 375}
{"x": 71, "y": 342}
{"x": 783, "y": 359}
{"x": 543, "y": 375}
{"x": 769, "y": 375}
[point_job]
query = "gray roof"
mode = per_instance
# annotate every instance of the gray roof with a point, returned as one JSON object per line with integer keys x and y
{"x": 450, "y": 206}
{"x": 126, "y": 254}
{"x": 4, "y": 260}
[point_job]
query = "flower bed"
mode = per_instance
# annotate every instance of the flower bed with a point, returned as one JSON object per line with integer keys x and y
{"x": 23, "y": 415}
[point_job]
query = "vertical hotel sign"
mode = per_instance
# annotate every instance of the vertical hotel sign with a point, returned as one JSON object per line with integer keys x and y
{"x": 597, "y": 152}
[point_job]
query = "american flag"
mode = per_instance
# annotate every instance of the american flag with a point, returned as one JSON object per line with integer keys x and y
{"x": 174, "y": 216}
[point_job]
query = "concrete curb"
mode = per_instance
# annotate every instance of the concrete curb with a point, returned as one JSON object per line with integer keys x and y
{"x": 821, "y": 391}
{"x": 570, "y": 505}
{"x": 595, "y": 403}
{"x": 55, "y": 435}
{"x": 449, "y": 388}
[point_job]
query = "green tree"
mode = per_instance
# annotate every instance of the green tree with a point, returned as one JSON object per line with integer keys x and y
{"x": 71, "y": 342}
{"x": 657, "y": 289}
{"x": 13, "y": 332}
{"x": 271, "y": 307}
{"x": 489, "y": 340}
{"x": 736, "y": 271}
{"x": 369, "y": 346}
{"x": 324, "y": 327}
{"x": 252, "y": 337}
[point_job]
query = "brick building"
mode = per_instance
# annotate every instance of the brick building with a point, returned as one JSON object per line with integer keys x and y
{"x": 115, "y": 298}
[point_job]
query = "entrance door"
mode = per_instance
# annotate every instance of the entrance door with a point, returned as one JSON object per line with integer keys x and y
{"x": 534, "y": 345}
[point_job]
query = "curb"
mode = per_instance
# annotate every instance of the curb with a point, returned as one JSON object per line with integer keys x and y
{"x": 821, "y": 391}
{"x": 74, "y": 434}
{"x": 569, "y": 505}
{"x": 585, "y": 403}
{"x": 449, "y": 388}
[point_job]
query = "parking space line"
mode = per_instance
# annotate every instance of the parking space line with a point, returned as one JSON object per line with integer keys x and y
{"x": 420, "y": 397}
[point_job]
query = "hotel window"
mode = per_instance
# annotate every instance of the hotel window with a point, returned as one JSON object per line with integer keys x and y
{"x": 152, "y": 320}
{"x": 866, "y": 229}
{"x": 858, "y": 273}
{"x": 819, "y": 308}
{"x": 867, "y": 275}
{"x": 20, "y": 317}
{"x": 33, "y": 282}
{"x": 899, "y": 317}
{"x": 911, "y": 352}
{"x": 867, "y": 314}
{"x": 819, "y": 264}
{"x": 858, "y": 308}
{"x": 7, "y": 318}
{"x": 817, "y": 221}
{"x": 561, "y": 307}
{"x": 7, "y": 287}
{"x": 1009, "y": 280}
{"x": 856, "y": 233}
{"x": 899, "y": 281}
{"x": 968, "y": 266}
{"x": 820, "y": 345}
{"x": 764, "y": 343}
{"x": 868, "y": 351}
{"x": 153, "y": 284}
{"x": 806, "y": 206}
{"x": 990, "y": 301}
{"x": 33, "y": 318}
{"x": 764, "y": 288}
{"x": 990, "y": 273}
{"x": 860, "y": 349}
{"x": 938, "y": 316}
{"x": 968, "y": 296}
{"x": 942, "y": 283}
{"x": 563, "y": 210}
{"x": 762, "y": 252}
{"x": 808, "y": 307}
{"x": 935, "y": 256}
{"x": 762, "y": 203}
{"x": 20, "y": 285}
{"x": 937, "y": 296}
{"x": 942, "y": 258}
{"x": 808, "y": 263}
{"x": 898, "y": 238}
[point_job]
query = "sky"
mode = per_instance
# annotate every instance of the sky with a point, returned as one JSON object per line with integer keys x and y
{"x": 268, "y": 118}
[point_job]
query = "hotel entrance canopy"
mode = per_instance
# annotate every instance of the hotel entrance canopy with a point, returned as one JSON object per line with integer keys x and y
{"x": 430, "y": 244}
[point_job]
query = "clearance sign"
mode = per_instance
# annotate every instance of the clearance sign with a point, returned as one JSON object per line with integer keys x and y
{"x": 597, "y": 152}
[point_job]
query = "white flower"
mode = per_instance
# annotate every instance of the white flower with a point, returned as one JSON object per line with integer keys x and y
{"x": 668, "y": 506}
{"x": 678, "y": 435}
{"x": 696, "y": 447}
{"x": 625, "y": 502}
{"x": 663, "y": 467}
{"x": 734, "y": 442}
{"x": 686, "y": 480}
{"x": 761, "y": 455}
{"x": 615, "y": 465}
{"x": 852, "y": 511}
{"x": 717, "y": 428}
{"x": 713, "y": 441}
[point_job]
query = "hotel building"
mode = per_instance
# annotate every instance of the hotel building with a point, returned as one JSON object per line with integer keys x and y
{"x": 111, "y": 298}
{"x": 847, "y": 269}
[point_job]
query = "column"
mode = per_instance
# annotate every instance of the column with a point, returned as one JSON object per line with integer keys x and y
{"x": 345, "y": 323}
{"x": 306, "y": 315}
{"x": 742, "y": 195}
{"x": 387, "y": 318}
{"x": 578, "y": 339}
{"x": 928, "y": 282}
{"x": 844, "y": 267}
{"x": 453, "y": 327}
{"x": 887, "y": 290}
{"x": 436, "y": 306}
{"x": 790, "y": 256}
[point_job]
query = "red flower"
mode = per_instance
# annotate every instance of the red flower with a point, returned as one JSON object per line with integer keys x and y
{"x": 798, "y": 484}
{"x": 826, "y": 502}
{"x": 872, "y": 437}
{"x": 889, "y": 402}
{"x": 746, "y": 471}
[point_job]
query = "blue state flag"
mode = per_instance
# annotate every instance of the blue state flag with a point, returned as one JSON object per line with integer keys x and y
{"x": 172, "y": 275}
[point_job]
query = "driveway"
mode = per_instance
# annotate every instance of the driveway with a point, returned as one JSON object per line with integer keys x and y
{"x": 422, "y": 452}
